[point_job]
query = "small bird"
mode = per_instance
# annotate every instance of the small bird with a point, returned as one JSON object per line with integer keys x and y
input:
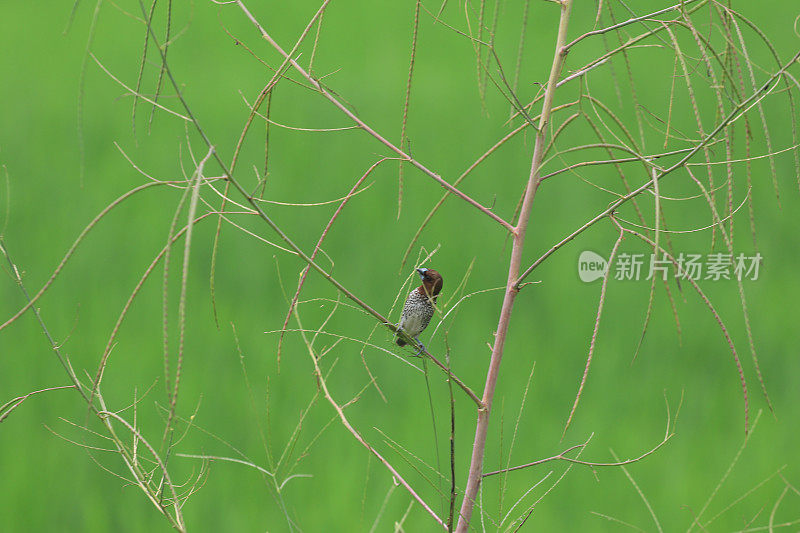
{"x": 418, "y": 310}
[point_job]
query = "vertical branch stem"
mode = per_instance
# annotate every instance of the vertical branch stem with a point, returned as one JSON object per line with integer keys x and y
{"x": 482, "y": 427}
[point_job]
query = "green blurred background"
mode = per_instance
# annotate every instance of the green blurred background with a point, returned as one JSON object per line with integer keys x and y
{"x": 54, "y": 184}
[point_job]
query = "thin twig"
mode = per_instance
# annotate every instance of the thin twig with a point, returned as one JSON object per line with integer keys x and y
{"x": 734, "y": 115}
{"x": 368, "y": 129}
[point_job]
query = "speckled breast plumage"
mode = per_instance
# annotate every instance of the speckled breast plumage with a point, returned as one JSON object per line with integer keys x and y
{"x": 417, "y": 313}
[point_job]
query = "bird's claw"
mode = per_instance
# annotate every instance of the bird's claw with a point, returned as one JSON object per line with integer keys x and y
{"x": 420, "y": 349}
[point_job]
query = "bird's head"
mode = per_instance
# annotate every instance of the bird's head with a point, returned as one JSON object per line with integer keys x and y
{"x": 432, "y": 281}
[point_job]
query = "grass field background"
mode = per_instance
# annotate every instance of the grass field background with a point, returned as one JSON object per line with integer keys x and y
{"x": 62, "y": 136}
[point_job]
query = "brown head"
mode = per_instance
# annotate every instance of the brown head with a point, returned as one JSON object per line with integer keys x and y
{"x": 432, "y": 282}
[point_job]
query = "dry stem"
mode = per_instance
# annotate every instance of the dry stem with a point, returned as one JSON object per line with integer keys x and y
{"x": 476, "y": 462}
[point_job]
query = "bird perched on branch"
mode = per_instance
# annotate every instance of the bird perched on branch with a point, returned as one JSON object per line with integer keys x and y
{"x": 418, "y": 310}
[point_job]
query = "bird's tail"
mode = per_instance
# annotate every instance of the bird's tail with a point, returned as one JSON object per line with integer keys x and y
{"x": 400, "y": 341}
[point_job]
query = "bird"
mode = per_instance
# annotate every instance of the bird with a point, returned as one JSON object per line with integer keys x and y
{"x": 418, "y": 309}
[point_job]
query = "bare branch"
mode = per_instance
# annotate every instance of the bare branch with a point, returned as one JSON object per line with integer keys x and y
{"x": 366, "y": 128}
{"x": 482, "y": 427}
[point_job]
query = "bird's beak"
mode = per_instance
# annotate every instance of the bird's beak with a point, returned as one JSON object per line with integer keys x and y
{"x": 421, "y": 272}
